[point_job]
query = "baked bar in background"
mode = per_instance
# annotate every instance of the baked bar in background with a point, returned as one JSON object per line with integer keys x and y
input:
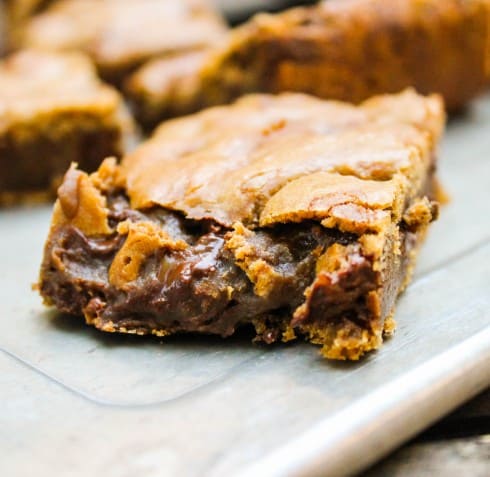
{"x": 297, "y": 216}
{"x": 19, "y": 11}
{"x": 53, "y": 111}
{"x": 3, "y": 29}
{"x": 339, "y": 49}
{"x": 166, "y": 87}
{"x": 120, "y": 35}
{"x": 15, "y": 14}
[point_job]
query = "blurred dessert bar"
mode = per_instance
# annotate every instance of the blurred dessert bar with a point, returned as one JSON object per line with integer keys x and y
{"x": 19, "y": 11}
{"x": 53, "y": 111}
{"x": 15, "y": 13}
{"x": 338, "y": 49}
{"x": 166, "y": 87}
{"x": 352, "y": 49}
{"x": 120, "y": 35}
{"x": 296, "y": 216}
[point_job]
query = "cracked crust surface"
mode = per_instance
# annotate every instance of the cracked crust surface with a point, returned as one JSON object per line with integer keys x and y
{"x": 238, "y": 159}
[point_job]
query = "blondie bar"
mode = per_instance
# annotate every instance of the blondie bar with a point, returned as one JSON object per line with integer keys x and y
{"x": 54, "y": 111}
{"x": 296, "y": 216}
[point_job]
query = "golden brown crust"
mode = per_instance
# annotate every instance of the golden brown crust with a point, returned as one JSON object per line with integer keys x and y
{"x": 35, "y": 85}
{"x": 122, "y": 34}
{"x": 344, "y": 202}
{"x": 81, "y": 204}
{"x": 234, "y": 164}
{"x": 420, "y": 213}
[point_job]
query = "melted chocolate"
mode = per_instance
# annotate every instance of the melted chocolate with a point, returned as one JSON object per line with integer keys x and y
{"x": 200, "y": 288}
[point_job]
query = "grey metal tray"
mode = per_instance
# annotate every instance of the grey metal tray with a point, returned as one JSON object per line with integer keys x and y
{"x": 78, "y": 402}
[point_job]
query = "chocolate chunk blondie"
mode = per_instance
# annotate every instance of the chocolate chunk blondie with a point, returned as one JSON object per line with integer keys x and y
{"x": 54, "y": 111}
{"x": 297, "y": 216}
{"x": 120, "y": 35}
{"x": 347, "y": 50}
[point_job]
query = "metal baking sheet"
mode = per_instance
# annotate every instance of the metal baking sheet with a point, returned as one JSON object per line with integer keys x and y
{"x": 79, "y": 402}
{"x": 244, "y": 8}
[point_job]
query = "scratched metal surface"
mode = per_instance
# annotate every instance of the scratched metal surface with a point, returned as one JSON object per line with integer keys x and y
{"x": 77, "y": 401}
